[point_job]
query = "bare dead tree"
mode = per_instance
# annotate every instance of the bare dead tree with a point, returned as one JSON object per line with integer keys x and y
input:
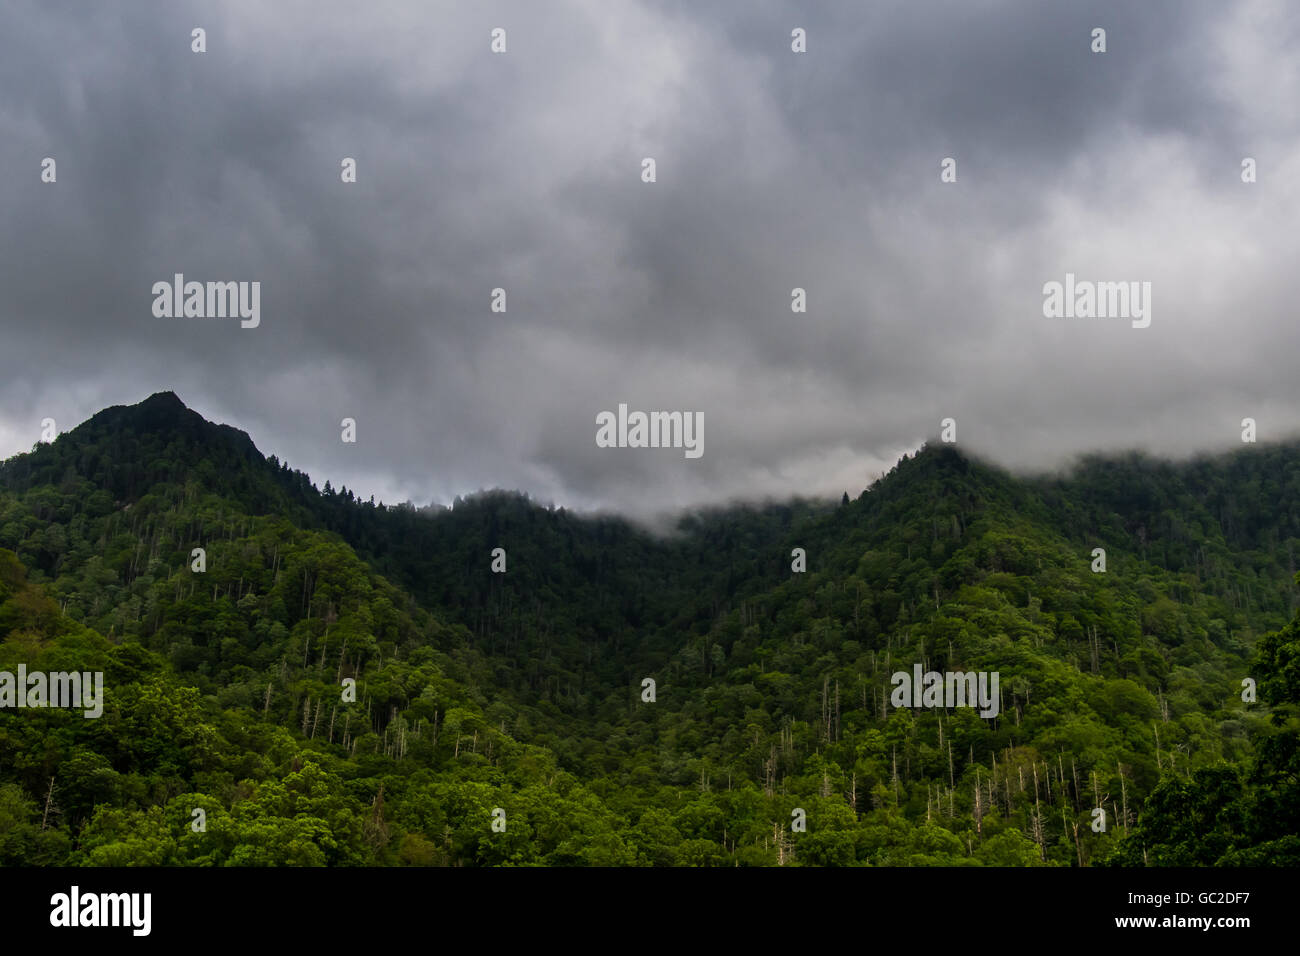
{"x": 49, "y": 796}
{"x": 1124, "y": 794}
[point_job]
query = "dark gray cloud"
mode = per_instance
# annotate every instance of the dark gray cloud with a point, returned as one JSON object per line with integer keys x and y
{"x": 775, "y": 170}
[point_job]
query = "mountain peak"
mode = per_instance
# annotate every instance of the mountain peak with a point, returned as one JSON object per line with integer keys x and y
{"x": 127, "y": 449}
{"x": 163, "y": 399}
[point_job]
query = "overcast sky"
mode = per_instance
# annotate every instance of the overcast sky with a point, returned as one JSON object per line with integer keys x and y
{"x": 775, "y": 170}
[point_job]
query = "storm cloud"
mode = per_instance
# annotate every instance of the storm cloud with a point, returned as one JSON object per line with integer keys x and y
{"x": 775, "y": 170}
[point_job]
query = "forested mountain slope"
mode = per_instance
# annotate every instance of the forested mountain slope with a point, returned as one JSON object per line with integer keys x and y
{"x": 771, "y": 738}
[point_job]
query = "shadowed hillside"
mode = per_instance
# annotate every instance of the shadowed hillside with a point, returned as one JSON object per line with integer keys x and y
{"x": 771, "y": 737}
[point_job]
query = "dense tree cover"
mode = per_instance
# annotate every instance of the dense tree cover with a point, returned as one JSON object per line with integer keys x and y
{"x": 523, "y": 691}
{"x": 1228, "y": 815}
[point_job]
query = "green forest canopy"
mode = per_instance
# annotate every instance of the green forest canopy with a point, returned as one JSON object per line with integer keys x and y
{"x": 521, "y": 693}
